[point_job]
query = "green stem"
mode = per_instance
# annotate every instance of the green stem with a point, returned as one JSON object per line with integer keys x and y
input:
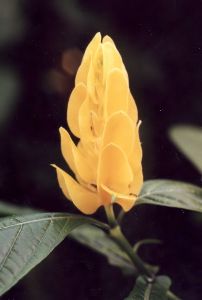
{"x": 110, "y": 216}
{"x": 123, "y": 243}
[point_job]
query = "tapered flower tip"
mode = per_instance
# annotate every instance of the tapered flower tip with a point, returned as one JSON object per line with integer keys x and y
{"x": 107, "y": 38}
{"x": 83, "y": 70}
{"x": 85, "y": 200}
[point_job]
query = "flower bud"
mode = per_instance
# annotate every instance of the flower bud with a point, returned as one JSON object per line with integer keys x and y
{"x": 102, "y": 114}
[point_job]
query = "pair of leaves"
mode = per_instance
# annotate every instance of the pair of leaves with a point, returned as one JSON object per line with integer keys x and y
{"x": 27, "y": 240}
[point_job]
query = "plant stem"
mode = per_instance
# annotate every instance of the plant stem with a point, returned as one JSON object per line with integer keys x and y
{"x": 110, "y": 216}
{"x": 123, "y": 243}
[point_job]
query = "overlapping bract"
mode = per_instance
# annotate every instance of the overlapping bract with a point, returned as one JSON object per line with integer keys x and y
{"x": 103, "y": 115}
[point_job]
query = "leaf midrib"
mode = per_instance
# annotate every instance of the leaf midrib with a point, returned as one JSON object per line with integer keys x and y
{"x": 33, "y": 221}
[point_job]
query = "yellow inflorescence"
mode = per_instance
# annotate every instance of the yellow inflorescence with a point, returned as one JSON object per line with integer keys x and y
{"x": 103, "y": 115}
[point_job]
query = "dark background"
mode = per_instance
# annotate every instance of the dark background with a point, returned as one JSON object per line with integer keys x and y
{"x": 40, "y": 49}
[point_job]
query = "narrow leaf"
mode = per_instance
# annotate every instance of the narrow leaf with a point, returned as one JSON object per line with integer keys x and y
{"x": 171, "y": 193}
{"x": 145, "y": 290}
{"x": 27, "y": 240}
{"x": 188, "y": 140}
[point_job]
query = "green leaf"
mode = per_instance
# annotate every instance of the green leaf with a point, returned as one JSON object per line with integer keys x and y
{"x": 99, "y": 241}
{"x": 25, "y": 241}
{"x": 171, "y": 193}
{"x": 188, "y": 140}
{"x": 145, "y": 290}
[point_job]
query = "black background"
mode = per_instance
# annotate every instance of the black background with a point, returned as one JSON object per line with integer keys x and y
{"x": 161, "y": 45}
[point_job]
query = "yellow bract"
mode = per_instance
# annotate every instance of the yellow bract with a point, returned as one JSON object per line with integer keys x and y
{"x": 103, "y": 115}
